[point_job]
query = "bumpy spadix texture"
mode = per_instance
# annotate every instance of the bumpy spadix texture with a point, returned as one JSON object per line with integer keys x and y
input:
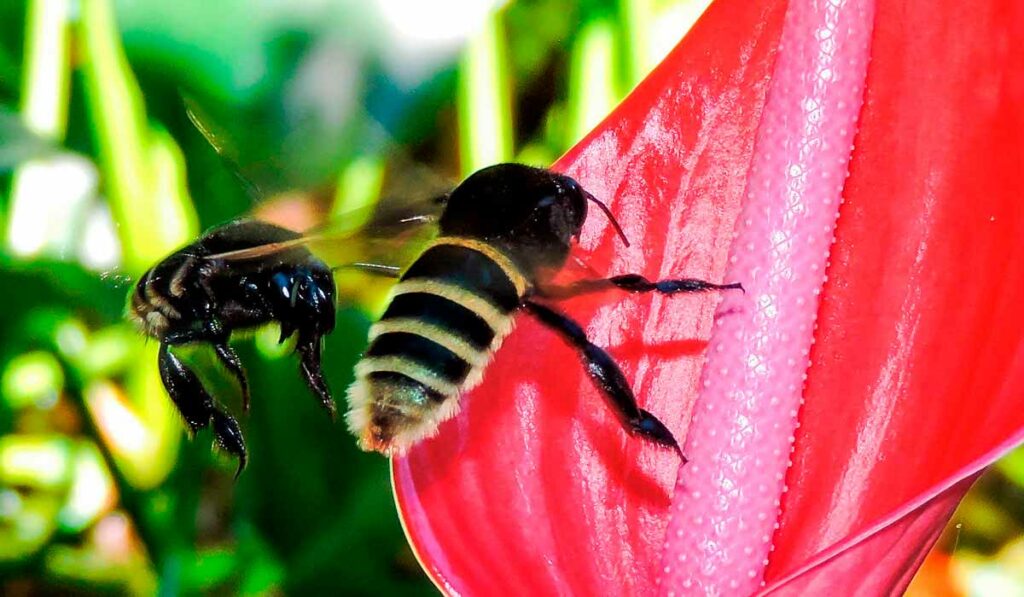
{"x": 727, "y": 499}
{"x": 916, "y": 376}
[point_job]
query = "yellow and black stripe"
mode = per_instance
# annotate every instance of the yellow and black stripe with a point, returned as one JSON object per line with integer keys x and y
{"x": 448, "y": 314}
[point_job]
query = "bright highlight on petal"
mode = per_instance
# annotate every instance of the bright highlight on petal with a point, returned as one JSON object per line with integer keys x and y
{"x": 569, "y": 501}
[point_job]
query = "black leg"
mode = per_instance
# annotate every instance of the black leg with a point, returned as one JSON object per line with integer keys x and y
{"x": 309, "y": 359}
{"x": 229, "y": 437}
{"x": 606, "y": 374}
{"x": 633, "y": 283}
{"x": 213, "y": 332}
{"x": 229, "y": 358}
{"x": 197, "y": 406}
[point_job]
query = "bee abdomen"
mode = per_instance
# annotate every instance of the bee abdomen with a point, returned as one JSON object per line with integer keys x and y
{"x": 443, "y": 313}
{"x": 448, "y": 315}
{"x": 474, "y": 266}
{"x": 151, "y": 301}
{"x": 426, "y": 350}
{"x": 412, "y": 346}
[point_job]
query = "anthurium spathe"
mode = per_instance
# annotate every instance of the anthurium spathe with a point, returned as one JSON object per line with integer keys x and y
{"x": 916, "y": 375}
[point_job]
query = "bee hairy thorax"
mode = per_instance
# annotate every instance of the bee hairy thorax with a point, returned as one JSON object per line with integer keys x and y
{"x": 448, "y": 314}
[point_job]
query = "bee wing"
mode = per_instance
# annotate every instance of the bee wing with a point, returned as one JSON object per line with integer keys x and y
{"x": 388, "y": 235}
{"x": 390, "y": 241}
{"x": 381, "y": 239}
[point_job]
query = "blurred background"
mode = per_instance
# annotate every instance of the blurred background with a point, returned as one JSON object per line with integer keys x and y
{"x": 199, "y": 111}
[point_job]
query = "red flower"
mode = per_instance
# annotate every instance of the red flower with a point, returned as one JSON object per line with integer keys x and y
{"x": 917, "y": 368}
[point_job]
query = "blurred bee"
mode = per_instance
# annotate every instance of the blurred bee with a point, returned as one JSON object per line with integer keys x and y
{"x": 501, "y": 236}
{"x": 249, "y": 273}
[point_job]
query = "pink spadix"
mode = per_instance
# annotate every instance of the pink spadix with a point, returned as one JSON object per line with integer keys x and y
{"x": 727, "y": 498}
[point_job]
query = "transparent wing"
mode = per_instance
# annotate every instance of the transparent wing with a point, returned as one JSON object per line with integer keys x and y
{"x": 389, "y": 235}
{"x": 366, "y": 260}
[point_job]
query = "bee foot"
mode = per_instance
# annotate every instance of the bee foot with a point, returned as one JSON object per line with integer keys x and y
{"x": 186, "y": 391}
{"x": 649, "y": 427}
{"x": 197, "y": 406}
{"x": 229, "y": 437}
{"x": 286, "y": 332}
{"x": 312, "y": 372}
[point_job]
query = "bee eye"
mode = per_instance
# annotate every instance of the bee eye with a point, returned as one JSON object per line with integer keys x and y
{"x": 546, "y": 201}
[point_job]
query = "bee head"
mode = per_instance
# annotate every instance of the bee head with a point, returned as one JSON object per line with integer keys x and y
{"x": 530, "y": 212}
{"x": 303, "y": 300}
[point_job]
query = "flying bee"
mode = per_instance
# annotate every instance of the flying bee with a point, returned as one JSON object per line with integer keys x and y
{"x": 249, "y": 273}
{"x": 191, "y": 297}
{"x": 481, "y": 255}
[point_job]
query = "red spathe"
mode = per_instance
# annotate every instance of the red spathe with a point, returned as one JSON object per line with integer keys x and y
{"x": 918, "y": 367}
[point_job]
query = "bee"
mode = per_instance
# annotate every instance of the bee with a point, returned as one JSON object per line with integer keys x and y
{"x": 491, "y": 250}
{"x": 503, "y": 234}
{"x": 193, "y": 297}
{"x": 246, "y": 274}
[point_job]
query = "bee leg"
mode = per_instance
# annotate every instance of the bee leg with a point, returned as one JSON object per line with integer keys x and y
{"x": 638, "y": 283}
{"x": 229, "y": 358}
{"x": 634, "y": 283}
{"x": 312, "y": 372}
{"x": 229, "y": 438}
{"x": 214, "y": 333}
{"x": 197, "y": 406}
{"x": 211, "y": 331}
{"x": 608, "y": 378}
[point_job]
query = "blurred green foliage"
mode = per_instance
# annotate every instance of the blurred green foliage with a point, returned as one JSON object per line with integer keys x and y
{"x": 126, "y": 127}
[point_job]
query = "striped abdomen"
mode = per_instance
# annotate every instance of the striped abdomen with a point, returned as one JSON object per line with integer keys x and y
{"x": 448, "y": 314}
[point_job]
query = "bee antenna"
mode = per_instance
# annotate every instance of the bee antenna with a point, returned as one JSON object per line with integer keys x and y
{"x": 608, "y": 214}
{"x": 388, "y": 271}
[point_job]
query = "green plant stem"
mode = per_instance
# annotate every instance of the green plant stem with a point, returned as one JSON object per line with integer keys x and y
{"x": 484, "y": 100}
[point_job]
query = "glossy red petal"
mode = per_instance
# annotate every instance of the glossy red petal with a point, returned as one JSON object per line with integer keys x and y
{"x": 739, "y": 441}
{"x": 918, "y": 366}
{"x": 535, "y": 488}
